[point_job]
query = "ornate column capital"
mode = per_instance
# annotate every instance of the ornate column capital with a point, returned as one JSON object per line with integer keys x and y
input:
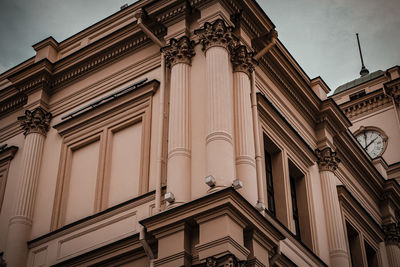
{"x": 327, "y": 159}
{"x": 242, "y": 60}
{"x": 35, "y": 121}
{"x": 179, "y": 51}
{"x": 217, "y": 34}
{"x": 392, "y": 233}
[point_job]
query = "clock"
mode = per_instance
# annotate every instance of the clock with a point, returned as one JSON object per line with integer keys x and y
{"x": 372, "y": 142}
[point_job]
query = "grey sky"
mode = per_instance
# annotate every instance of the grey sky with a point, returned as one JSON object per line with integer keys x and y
{"x": 320, "y": 34}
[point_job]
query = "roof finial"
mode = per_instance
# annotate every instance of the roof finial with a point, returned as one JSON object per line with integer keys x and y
{"x": 364, "y": 71}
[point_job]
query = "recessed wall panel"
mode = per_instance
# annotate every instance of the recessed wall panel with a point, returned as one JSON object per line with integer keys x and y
{"x": 82, "y": 182}
{"x": 125, "y": 164}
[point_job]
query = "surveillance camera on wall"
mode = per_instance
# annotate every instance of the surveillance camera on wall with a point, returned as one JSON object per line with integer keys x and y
{"x": 210, "y": 181}
{"x": 169, "y": 197}
{"x": 237, "y": 184}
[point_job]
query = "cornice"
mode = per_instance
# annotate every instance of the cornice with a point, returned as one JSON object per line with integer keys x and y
{"x": 365, "y": 105}
{"x": 12, "y": 103}
{"x": 284, "y": 80}
{"x": 331, "y": 115}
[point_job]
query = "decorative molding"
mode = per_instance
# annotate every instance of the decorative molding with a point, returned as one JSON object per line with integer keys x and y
{"x": 228, "y": 260}
{"x": 217, "y": 34}
{"x": 36, "y": 121}
{"x": 327, "y": 159}
{"x": 365, "y": 105}
{"x": 392, "y": 89}
{"x": 12, "y": 103}
{"x": 242, "y": 60}
{"x": 179, "y": 51}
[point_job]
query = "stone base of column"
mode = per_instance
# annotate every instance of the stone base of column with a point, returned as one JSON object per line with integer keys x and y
{"x": 16, "y": 252}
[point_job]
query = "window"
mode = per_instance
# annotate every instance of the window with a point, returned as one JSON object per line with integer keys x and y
{"x": 372, "y": 258}
{"x": 105, "y": 156}
{"x": 295, "y": 210}
{"x": 300, "y": 206}
{"x": 269, "y": 182}
{"x": 354, "y": 245}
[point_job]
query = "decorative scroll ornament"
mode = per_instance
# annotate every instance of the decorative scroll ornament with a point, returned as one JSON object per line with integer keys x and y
{"x": 217, "y": 34}
{"x": 179, "y": 51}
{"x": 36, "y": 121}
{"x": 327, "y": 159}
{"x": 242, "y": 60}
{"x": 392, "y": 233}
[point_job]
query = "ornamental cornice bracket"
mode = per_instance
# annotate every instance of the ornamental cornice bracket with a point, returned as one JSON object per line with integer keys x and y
{"x": 35, "y": 121}
{"x": 179, "y": 51}
{"x": 327, "y": 159}
{"x": 242, "y": 60}
{"x": 217, "y": 34}
{"x": 392, "y": 89}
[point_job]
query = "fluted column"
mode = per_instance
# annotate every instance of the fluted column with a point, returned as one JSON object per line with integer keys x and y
{"x": 392, "y": 239}
{"x": 35, "y": 125}
{"x": 243, "y": 65}
{"x": 328, "y": 162}
{"x": 217, "y": 40}
{"x": 178, "y": 58}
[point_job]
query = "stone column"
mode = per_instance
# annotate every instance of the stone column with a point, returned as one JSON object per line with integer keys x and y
{"x": 217, "y": 40}
{"x": 392, "y": 239}
{"x": 178, "y": 58}
{"x": 243, "y": 65}
{"x": 328, "y": 162}
{"x": 35, "y": 125}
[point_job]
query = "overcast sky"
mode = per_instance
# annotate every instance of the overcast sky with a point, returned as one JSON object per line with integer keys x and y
{"x": 320, "y": 34}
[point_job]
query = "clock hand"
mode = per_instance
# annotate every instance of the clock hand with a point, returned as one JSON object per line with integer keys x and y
{"x": 371, "y": 142}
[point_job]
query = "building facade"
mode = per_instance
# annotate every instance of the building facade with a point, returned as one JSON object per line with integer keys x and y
{"x": 183, "y": 133}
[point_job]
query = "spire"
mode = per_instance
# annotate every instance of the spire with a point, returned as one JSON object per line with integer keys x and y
{"x": 364, "y": 71}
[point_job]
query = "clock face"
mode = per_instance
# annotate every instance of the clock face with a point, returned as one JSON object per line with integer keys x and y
{"x": 372, "y": 142}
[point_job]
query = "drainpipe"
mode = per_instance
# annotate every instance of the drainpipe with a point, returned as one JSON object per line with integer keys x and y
{"x": 271, "y": 37}
{"x": 160, "y": 160}
{"x": 146, "y": 246}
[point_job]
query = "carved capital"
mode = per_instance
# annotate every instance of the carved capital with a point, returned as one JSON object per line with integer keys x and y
{"x": 179, "y": 51}
{"x": 242, "y": 60}
{"x": 327, "y": 159}
{"x": 392, "y": 235}
{"x": 217, "y": 34}
{"x": 35, "y": 121}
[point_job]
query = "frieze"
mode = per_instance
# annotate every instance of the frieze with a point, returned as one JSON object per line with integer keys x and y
{"x": 12, "y": 103}
{"x": 242, "y": 60}
{"x": 217, "y": 34}
{"x": 179, "y": 51}
{"x": 327, "y": 159}
{"x": 35, "y": 121}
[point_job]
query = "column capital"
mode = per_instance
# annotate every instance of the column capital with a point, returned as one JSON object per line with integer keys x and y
{"x": 217, "y": 34}
{"x": 327, "y": 159}
{"x": 392, "y": 233}
{"x": 35, "y": 121}
{"x": 179, "y": 51}
{"x": 242, "y": 60}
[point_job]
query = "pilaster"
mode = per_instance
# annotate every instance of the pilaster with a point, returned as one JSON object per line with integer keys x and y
{"x": 328, "y": 162}
{"x": 178, "y": 57}
{"x": 243, "y": 65}
{"x": 35, "y": 124}
{"x": 217, "y": 40}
